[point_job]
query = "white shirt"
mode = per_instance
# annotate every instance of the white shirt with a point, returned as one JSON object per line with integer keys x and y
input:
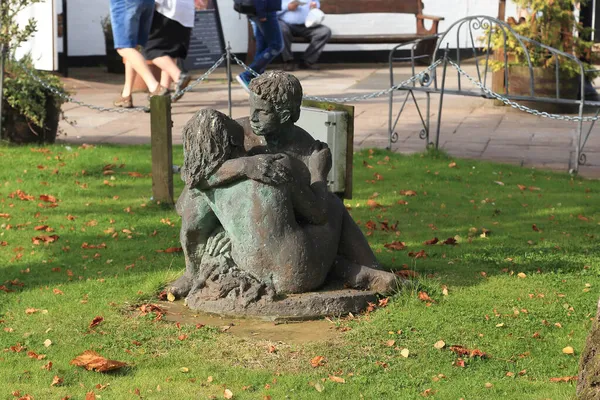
{"x": 181, "y": 11}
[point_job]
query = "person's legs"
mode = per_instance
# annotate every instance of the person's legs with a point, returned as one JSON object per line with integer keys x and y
{"x": 318, "y": 37}
{"x": 269, "y": 44}
{"x": 165, "y": 79}
{"x": 131, "y": 24}
{"x": 138, "y": 63}
{"x": 286, "y": 33}
{"x": 125, "y": 99}
{"x": 168, "y": 65}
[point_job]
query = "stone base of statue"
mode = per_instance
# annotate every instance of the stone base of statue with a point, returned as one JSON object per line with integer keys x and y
{"x": 333, "y": 300}
{"x": 588, "y": 387}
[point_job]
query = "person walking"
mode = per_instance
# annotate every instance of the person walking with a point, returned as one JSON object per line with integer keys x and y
{"x": 267, "y": 33}
{"x": 291, "y": 19}
{"x": 170, "y": 40}
{"x": 131, "y": 21}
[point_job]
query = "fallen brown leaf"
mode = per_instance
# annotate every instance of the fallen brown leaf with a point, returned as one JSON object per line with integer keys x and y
{"x": 431, "y": 241}
{"x": 317, "y": 361}
{"x": 96, "y": 321}
{"x": 91, "y": 360}
{"x": 395, "y": 245}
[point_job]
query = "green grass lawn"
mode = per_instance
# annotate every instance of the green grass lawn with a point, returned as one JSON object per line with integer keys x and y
{"x": 521, "y": 285}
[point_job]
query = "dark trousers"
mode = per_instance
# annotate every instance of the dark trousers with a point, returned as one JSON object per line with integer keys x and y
{"x": 268, "y": 43}
{"x": 318, "y": 37}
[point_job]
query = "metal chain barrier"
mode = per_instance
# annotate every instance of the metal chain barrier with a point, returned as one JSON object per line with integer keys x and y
{"x": 516, "y": 105}
{"x": 70, "y": 99}
{"x": 423, "y": 76}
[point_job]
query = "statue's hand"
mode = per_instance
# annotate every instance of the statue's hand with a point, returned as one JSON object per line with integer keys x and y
{"x": 320, "y": 162}
{"x": 219, "y": 244}
{"x": 268, "y": 169}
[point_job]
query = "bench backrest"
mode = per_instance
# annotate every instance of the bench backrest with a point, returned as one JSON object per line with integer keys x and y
{"x": 371, "y": 6}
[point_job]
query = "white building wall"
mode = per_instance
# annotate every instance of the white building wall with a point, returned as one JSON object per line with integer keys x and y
{"x": 86, "y": 37}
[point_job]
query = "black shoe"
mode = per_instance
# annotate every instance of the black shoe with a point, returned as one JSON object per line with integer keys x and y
{"x": 310, "y": 67}
{"x": 289, "y": 66}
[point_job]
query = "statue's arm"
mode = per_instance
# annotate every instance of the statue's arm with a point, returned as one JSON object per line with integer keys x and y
{"x": 198, "y": 221}
{"x": 231, "y": 171}
{"x": 310, "y": 201}
{"x": 262, "y": 168}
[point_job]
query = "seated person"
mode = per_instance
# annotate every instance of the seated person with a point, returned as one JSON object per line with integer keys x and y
{"x": 261, "y": 220}
{"x": 291, "y": 19}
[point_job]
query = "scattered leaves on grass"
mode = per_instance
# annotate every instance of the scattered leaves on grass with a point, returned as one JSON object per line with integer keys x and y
{"x": 431, "y": 241}
{"x": 317, "y": 361}
{"x": 44, "y": 239}
{"x": 440, "y": 344}
{"x": 30, "y": 311}
{"x": 418, "y": 254}
{"x": 319, "y": 388}
{"x": 407, "y": 273}
{"x": 57, "y": 381}
{"x": 373, "y": 204}
{"x": 47, "y": 343}
{"x": 405, "y": 353}
{"x": 450, "y": 241}
{"x": 408, "y": 193}
{"x": 152, "y": 308}
{"x": 32, "y": 354}
{"x": 395, "y": 245}
{"x": 423, "y": 296}
{"x": 17, "y": 348}
{"x": 48, "y": 198}
{"x": 522, "y": 275}
{"x": 564, "y": 379}
{"x": 336, "y": 379}
{"x": 90, "y": 396}
{"x": 464, "y": 352}
{"x": 171, "y": 250}
{"x": 228, "y": 394}
{"x": 452, "y": 165}
{"x": 91, "y": 360}
{"x": 96, "y": 321}
{"x": 568, "y": 350}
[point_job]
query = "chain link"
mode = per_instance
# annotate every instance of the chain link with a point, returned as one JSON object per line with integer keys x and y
{"x": 423, "y": 76}
{"x": 201, "y": 78}
{"x": 518, "y": 106}
{"x": 246, "y": 68}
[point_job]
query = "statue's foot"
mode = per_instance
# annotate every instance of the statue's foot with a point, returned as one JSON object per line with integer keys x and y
{"x": 181, "y": 287}
{"x": 383, "y": 282}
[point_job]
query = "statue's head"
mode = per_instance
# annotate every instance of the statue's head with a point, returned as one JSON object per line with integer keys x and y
{"x": 209, "y": 139}
{"x": 275, "y": 101}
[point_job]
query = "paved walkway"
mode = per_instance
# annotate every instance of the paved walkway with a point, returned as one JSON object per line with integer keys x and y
{"x": 471, "y": 127}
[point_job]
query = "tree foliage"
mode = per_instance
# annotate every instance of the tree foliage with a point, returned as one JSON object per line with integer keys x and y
{"x": 552, "y": 23}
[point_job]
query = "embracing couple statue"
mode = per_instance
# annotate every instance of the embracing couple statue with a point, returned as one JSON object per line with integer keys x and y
{"x": 259, "y": 224}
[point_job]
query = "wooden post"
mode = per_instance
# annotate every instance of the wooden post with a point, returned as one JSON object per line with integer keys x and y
{"x": 162, "y": 148}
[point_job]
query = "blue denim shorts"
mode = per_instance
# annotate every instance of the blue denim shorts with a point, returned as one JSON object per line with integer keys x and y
{"x": 131, "y": 21}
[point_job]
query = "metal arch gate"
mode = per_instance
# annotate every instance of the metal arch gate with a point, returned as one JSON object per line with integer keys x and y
{"x": 467, "y": 29}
